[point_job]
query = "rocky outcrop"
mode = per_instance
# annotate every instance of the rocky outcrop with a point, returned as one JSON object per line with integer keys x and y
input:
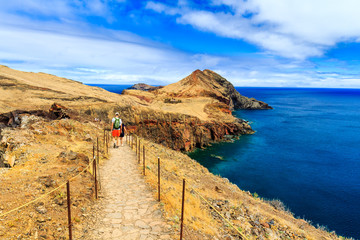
{"x": 180, "y": 136}
{"x": 210, "y": 84}
{"x": 17, "y": 117}
{"x": 144, "y": 87}
{"x": 188, "y": 134}
{"x": 236, "y": 100}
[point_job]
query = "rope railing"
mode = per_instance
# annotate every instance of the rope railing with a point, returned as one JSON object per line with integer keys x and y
{"x": 46, "y": 194}
{"x": 94, "y": 163}
{"x": 226, "y": 220}
{"x": 151, "y": 160}
{"x": 35, "y": 200}
{"x": 135, "y": 143}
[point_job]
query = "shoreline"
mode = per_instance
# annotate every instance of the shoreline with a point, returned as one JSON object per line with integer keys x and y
{"x": 192, "y": 122}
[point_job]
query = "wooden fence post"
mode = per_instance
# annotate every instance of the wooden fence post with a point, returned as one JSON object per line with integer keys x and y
{"x": 139, "y": 154}
{"x": 69, "y": 209}
{"x": 136, "y": 145}
{"x": 93, "y": 158}
{"x": 182, "y": 211}
{"x": 159, "y": 179}
{"x": 97, "y": 149}
{"x": 144, "y": 158}
{"x": 107, "y": 143}
{"x": 95, "y": 177}
{"x": 98, "y": 162}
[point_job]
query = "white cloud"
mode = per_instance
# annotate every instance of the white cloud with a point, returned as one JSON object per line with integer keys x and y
{"x": 95, "y": 55}
{"x": 67, "y": 46}
{"x": 161, "y": 8}
{"x": 37, "y": 7}
{"x": 49, "y": 49}
{"x": 294, "y": 29}
{"x": 61, "y": 10}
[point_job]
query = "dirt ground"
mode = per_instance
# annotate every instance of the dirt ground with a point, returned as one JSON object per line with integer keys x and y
{"x": 47, "y": 153}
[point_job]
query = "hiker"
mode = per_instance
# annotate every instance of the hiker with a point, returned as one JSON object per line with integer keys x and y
{"x": 122, "y": 134}
{"x": 116, "y": 129}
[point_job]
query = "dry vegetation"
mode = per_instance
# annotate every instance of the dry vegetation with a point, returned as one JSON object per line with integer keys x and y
{"x": 253, "y": 216}
{"x": 47, "y": 154}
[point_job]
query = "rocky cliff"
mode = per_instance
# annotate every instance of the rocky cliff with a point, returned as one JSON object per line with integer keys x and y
{"x": 195, "y": 111}
{"x": 174, "y": 130}
{"x": 185, "y": 133}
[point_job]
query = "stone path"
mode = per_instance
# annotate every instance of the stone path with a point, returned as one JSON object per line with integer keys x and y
{"x": 127, "y": 208}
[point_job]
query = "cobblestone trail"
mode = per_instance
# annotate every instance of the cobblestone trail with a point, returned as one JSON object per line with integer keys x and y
{"x": 127, "y": 209}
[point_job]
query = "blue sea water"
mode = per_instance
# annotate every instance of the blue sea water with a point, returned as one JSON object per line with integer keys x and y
{"x": 305, "y": 152}
{"x": 111, "y": 87}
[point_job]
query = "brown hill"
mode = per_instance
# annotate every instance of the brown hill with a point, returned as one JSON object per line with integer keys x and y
{"x": 28, "y": 90}
{"x": 210, "y": 84}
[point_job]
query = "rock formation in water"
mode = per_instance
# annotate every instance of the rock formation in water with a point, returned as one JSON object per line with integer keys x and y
{"x": 144, "y": 87}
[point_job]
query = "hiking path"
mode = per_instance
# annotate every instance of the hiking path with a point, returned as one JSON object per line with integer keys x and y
{"x": 127, "y": 208}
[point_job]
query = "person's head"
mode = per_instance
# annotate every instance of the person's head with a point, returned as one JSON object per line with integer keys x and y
{"x": 116, "y": 114}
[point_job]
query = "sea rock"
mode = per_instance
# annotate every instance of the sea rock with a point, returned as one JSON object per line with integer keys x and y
{"x": 144, "y": 87}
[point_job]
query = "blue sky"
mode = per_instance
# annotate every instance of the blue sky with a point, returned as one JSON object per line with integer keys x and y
{"x": 269, "y": 43}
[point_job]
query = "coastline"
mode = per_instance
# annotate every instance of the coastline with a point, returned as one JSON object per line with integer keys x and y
{"x": 311, "y": 150}
{"x": 146, "y": 112}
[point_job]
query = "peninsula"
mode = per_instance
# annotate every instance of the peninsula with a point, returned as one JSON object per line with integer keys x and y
{"x": 48, "y": 126}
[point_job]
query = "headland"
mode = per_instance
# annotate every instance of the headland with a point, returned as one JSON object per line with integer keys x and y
{"x": 45, "y": 145}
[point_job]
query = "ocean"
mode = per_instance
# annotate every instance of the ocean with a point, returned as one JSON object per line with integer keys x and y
{"x": 305, "y": 152}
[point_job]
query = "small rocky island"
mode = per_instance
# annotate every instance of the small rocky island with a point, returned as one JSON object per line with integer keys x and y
{"x": 143, "y": 87}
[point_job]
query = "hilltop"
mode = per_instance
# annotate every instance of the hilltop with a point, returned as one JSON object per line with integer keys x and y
{"x": 30, "y": 91}
{"x": 210, "y": 84}
{"x": 204, "y": 94}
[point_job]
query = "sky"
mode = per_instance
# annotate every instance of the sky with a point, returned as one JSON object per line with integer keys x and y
{"x": 258, "y": 43}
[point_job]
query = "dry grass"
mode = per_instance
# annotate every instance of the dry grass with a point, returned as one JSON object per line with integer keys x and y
{"x": 203, "y": 223}
{"x": 37, "y": 149}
